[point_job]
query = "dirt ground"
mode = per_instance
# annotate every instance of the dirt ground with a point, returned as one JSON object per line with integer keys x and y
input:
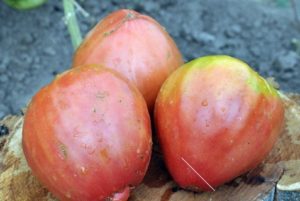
{"x": 35, "y": 45}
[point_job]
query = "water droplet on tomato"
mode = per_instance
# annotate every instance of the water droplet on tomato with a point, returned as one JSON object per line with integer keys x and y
{"x": 83, "y": 170}
{"x": 68, "y": 195}
{"x": 54, "y": 178}
{"x": 75, "y": 135}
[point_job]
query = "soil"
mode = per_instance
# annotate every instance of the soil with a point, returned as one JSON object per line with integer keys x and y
{"x": 35, "y": 45}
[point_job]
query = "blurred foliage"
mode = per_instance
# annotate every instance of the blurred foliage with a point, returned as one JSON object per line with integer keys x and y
{"x": 24, "y": 4}
{"x": 283, "y": 3}
{"x": 296, "y": 45}
{"x": 279, "y": 3}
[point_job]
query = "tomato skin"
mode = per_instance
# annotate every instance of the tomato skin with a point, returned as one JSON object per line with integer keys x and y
{"x": 136, "y": 46}
{"x": 220, "y": 117}
{"x": 87, "y": 135}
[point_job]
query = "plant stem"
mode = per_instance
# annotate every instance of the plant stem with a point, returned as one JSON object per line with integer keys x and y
{"x": 72, "y": 24}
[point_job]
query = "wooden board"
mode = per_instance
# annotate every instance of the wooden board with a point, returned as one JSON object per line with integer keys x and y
{"x": 280, "y": 170}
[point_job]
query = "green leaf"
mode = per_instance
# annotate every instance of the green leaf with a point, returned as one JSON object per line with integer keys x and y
{"x": 24, "y": 4}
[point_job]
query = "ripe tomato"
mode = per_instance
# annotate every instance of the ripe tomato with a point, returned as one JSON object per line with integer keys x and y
{"x": 216, "y": 119}
{"x": 87, "y": 135}
{"x": 134, "y": 45}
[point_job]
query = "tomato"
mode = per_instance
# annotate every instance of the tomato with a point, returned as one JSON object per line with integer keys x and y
{"x": 216, "y": 119}
{"x": 87, "y": 135}
{"x": 134, "y": 45}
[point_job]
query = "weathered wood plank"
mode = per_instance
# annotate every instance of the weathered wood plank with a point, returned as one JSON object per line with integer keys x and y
{"x": 278, "y": 176}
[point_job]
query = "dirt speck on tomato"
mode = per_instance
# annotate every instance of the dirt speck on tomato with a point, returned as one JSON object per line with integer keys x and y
{"x": 102, "y": 94}
{"x": 204, "y": 103}
{"x": 63, "y": 150}
{"x": 104, "y": 155}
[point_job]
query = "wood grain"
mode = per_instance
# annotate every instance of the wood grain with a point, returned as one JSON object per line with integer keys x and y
{"x": 280, "y": 169}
